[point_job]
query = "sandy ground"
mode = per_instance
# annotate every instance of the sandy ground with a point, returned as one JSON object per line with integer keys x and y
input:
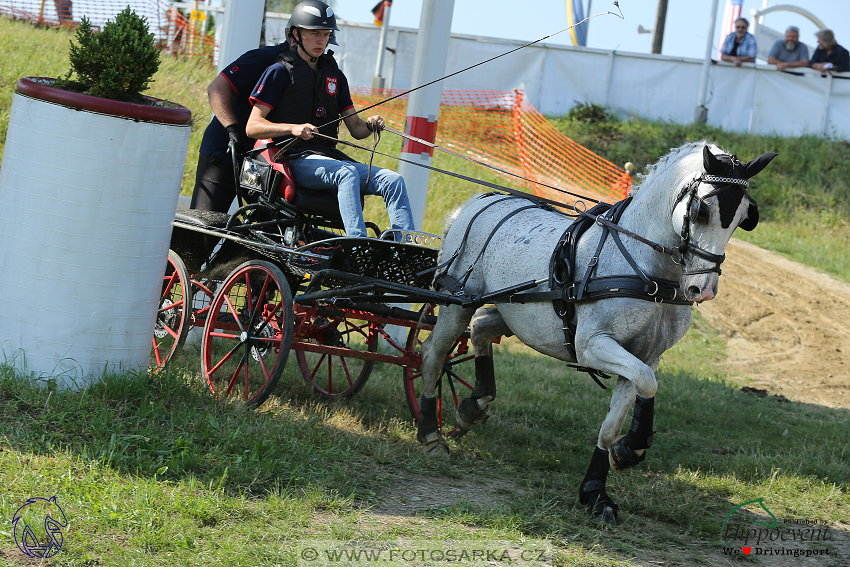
{"x": 787, "y": 326}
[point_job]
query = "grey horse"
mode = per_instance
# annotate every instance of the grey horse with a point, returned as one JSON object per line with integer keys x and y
{"x": 675, "y": 229}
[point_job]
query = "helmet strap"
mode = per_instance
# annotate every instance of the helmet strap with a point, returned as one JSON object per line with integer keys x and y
{"x": 300, "y": 44}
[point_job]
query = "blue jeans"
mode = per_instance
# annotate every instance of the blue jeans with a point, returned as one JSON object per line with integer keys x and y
{"x": 348, "y": 179}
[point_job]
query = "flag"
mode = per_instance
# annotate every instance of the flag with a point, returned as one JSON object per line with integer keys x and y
{"x": 378, "y": 11}
{"x": 732, "y": 13}
{"x": 575, "y": 14}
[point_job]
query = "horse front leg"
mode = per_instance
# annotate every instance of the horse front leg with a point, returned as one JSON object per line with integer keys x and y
{"x": 486, "y": 325}
{"x": 635, "y": 385}
{"x": 451, "y": 324}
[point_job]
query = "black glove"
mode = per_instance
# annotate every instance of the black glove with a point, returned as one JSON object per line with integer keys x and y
{"x": 235, "y": 135}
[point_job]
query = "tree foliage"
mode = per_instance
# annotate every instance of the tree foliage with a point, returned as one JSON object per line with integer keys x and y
{"x": 117, "y": 63}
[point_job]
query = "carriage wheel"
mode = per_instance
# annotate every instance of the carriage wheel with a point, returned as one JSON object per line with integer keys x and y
{"x": 451, "y": 386}
{"x": 248, "y": 333}
{"x": 334, "y": 376}
{"x": 174, "y": 315}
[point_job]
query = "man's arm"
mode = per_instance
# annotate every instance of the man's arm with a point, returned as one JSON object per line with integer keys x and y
{"x": 259, "y": 127}
{"x": 360, "y": 128}
{"x": 220, "y": 93}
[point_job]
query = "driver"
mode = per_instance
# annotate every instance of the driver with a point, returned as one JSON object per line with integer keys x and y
{"x": 302, "y": 95}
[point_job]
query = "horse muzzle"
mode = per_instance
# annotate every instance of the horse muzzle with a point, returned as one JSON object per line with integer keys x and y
{"x": 699, "y": 289}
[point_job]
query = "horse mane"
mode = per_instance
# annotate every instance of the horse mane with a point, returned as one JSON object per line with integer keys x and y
{"x": 678, "y": 166}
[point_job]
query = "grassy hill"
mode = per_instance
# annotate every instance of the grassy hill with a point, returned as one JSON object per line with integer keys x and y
{"x": 804, "y": 194}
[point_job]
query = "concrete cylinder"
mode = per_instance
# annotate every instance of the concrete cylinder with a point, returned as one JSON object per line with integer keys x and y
{"x": 88, "y": 191}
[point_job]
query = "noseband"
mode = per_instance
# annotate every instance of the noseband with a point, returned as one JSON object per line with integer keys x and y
{"x": 696, "y": 207}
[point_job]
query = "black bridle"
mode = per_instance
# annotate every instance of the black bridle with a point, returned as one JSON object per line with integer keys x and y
{"x": 697, "y": 209}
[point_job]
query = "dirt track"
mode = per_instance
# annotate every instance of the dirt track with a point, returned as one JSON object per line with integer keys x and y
{"x": 787, "y": 326}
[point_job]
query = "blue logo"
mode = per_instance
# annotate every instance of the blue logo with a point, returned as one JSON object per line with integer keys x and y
{"x": 39, "y": 512}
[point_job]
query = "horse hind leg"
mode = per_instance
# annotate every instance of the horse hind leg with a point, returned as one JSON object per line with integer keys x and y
{"x": 486, "y": 325}
{"x": 451, "y": 324}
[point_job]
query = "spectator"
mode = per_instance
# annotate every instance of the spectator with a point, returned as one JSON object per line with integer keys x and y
{"x": 829, "y": 56}
{"x": 789, "y": 52}
{"x": 215, "y": 187}
{"x": 302, "y": 98}
{"x": 740, "y": 45}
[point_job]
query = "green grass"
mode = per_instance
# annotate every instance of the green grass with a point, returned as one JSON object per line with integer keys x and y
{"x": 151, "y": 470}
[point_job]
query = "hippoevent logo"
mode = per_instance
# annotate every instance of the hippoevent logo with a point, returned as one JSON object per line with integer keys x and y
{"x": 797, "y": 537}
{"x": 38, "y": 527}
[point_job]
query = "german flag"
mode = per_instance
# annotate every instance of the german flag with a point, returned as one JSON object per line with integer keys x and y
{"x": 378, "y": 11}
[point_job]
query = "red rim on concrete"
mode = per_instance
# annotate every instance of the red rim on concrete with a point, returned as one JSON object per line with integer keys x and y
{"x": 41, "y": 88}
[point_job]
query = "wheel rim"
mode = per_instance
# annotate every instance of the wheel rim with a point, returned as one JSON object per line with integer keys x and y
{"x": 332, "y": 375}
{"x": 451, "y": 386}
{"x": 247, "y": 334}
{"x": 173, "y": 315}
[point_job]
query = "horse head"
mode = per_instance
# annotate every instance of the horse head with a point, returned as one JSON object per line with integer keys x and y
{"x": 707, "y": 212}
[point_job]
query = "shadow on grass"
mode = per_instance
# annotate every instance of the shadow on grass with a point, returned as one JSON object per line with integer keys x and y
{"x": 715, "y": 447}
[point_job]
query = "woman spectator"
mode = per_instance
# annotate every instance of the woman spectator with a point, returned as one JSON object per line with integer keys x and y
{"x": 829, "y": 56}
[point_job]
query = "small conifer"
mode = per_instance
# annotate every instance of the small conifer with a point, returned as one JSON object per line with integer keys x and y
{"x": 117, "y": 63}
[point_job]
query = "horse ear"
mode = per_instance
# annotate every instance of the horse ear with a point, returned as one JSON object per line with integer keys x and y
{"x": 752, "y": 168}
{"x": 709, "y": 162}
{"x": 752, "y": 219}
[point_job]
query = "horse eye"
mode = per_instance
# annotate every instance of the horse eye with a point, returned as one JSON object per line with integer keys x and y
{"x": 698, "y": 211}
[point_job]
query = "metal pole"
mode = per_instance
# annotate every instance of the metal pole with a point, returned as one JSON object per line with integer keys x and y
{"x": 378, "y": 80}
{"x": 587, "y": 24}
{"x": 660, "y": 19}
{"x": 701, "y": 112}
{"x": 240, "y": 32}
{"x": 423, "y": 107}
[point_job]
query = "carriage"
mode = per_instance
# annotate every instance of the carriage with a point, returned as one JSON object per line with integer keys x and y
{"x": 279, "y": 278}
{"x": 291, "y": 283}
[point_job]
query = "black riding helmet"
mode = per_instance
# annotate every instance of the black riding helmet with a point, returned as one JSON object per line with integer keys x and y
{"x": 312, "y": 15}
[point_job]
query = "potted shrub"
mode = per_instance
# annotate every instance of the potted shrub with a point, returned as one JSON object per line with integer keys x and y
{"x": 89, "y": 183}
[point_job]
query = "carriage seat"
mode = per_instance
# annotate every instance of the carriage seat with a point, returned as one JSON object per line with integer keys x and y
{"x": 309, "y": 201}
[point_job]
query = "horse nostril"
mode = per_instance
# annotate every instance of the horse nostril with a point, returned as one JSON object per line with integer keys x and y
{"x": 694, "y": 291}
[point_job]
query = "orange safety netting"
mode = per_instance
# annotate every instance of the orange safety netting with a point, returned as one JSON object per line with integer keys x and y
{"x": 499, "y": 128}
{"x": 505, "y": 131}
{"x": 174, "y": 31}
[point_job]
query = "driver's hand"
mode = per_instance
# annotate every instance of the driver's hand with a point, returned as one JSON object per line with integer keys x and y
{"x": 305, "y": 131}
{"x": 375, "y": 122}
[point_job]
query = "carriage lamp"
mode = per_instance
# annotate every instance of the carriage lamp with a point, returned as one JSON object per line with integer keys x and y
{"x": 251, "y": 176}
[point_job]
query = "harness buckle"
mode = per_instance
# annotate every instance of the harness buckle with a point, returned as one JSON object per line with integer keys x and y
{"x": 656, "y": 288}
{"x": 593, "y": 261}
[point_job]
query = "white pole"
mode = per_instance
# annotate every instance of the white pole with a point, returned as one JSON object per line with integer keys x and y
{"x": 423, "y": 107}
{"x": 378, "y": 79}
{"x": 701, "y": 112}
{"x": 243, "y": 21}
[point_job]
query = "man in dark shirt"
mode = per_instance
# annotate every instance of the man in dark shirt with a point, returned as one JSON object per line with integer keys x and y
{"x": 829, "y": 56}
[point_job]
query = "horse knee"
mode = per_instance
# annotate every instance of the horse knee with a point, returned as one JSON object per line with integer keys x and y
{"x": 645, "y": 383}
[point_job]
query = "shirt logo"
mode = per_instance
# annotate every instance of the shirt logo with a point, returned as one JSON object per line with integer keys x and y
{"x": 331, "y": 85}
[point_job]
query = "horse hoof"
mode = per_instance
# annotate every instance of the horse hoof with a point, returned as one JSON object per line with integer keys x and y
{"x": 433, "y": 444}
{"x": 473, "y": 411}
{"x": 622, "y": 457}
{"x": 607, "y": 516}
{"x": 600, "y": 506}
